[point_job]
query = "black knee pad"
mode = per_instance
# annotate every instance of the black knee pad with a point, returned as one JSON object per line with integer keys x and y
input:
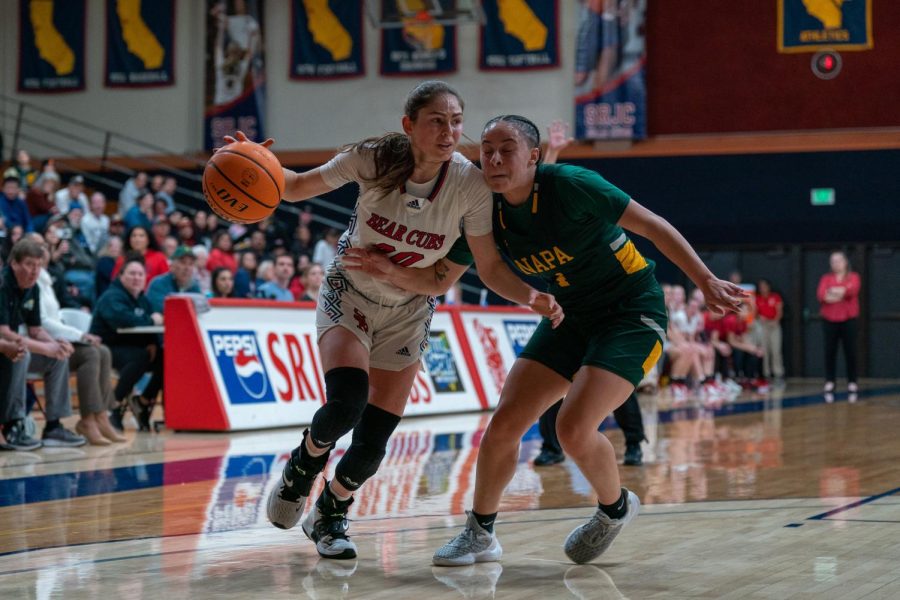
{"x": 370, "y": 440}
{"x": 346, "y": 396}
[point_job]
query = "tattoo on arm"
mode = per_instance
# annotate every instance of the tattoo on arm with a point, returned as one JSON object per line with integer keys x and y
{"x": 440, "y": 270}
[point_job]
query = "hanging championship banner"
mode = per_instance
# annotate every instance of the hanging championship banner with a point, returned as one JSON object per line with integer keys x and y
{"x": 519, "y": 35}
{"x": 326, "y": 39}
{"x": 235, "y": 67}
{"x": 140, "y": 43}
{"x": 610, "y": 93}
{"x": 418, "y": 45}
{"x": 813, "y": 25}
{"x": 51, "y": 45}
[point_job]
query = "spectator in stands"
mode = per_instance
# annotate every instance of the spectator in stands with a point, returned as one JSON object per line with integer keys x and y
{"x": 302, "y": 242}
{"x": 748, "y": 350}
{"x": 179, "y": 279}
{"x": 201, "y": 218}
{"x": 326, "y": 248}
{"x": 279, "y": 289}
{"x": 95, "y": 224}
{"x": 221, "y": 254}
{"x": 160, "y": 210}
{"x": 770, "y": 309}
{"x": 716, "y": 331}
{"x": 41, "y": 202}
{"x": 131, "y": 191}
{"x": 222, "y": 283}
{"x": 139, "y": 240}
{"x": 156, "y": 183}
{"x": 169, "y": 245}
{"x": 77, "y": 260}
{"x": 245, "y": 281}
{"x": 141, "y": 213}
{"x": 20, "y": 305}
{"x": 259, "y": 244}
{"x": 91, "y": 362}
{"x": 265, "y": 272}
{"x": 201, "y": 271}
{"x": 73, "y": 193}
{"x": 160, "y": 230}
{"x": 124, "y": 305}
{"x": 167, "y": 193}
{"x": 312, "y": 282}
{"x": 23, "y": 170}
{"x": 117, "y": 227}
{"x": 12, "y": 205}
{"x": 185, "y": 232}
{"x": 175, "y": 218}
{"x": 838, "y": 294}
{"x": 106, "y": 262}
{"x": 212, "y": 225}
{"x": 60, "y": 254}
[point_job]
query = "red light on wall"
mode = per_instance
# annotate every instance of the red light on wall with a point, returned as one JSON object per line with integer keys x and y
{"x": 826, "y": 64}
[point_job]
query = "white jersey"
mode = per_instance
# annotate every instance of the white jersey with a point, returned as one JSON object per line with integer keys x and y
{"x": 417, "y": 228}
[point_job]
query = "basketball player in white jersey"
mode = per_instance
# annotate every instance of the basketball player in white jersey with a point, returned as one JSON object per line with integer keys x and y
{"x": 415, "y": 193}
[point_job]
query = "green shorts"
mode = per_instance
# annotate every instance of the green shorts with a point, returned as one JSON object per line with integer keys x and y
{"x": 626, "y": 338}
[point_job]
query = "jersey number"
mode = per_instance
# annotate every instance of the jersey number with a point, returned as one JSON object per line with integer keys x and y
{"x": 404, "y": 259}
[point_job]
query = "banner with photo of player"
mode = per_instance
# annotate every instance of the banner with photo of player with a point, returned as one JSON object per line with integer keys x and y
{"x": 51, "y": 46}
{"x": 610, "y": 57}
{"x": 326, "y": 39}
{"x": 418, "y": 45}
{"x": 813, "y": 25}
{"x": 519, "y": 35}
{"x": 235, "y": 90}
{"x": 140, "y": 43}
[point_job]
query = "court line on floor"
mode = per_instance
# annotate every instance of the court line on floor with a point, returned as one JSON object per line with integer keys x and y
{"x": 401, "y": 530}
{"x": 846, "y": 507}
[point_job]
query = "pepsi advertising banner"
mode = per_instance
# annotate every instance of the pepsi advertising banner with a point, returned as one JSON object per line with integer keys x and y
{"x": 266, "y": 372}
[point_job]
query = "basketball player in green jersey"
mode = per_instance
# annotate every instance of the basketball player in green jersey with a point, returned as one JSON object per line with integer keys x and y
{"x": 566, "y": 225}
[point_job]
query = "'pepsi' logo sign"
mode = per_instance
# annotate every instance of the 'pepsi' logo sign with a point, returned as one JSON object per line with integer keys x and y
{"x": 519, "y": 332}
{"x": 243, "y": 371}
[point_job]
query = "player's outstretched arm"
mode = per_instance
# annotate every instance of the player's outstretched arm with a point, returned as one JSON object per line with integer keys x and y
{"x": 721, "y": 296}
{"x": 496, "y": 275}
{"x": 297, "y": 186}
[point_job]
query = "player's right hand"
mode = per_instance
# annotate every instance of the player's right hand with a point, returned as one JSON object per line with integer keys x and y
{"x": 545, "y": 304}
{"x": 240, "y": 136}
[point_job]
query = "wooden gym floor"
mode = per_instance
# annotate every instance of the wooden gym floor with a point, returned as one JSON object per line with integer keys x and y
{"x": 776, "y": 496}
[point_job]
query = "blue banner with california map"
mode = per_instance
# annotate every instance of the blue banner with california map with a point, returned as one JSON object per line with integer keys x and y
{"x": 51, "y": 46}
{"x": 813, "y": 25}
{"x": 416, "y": 44}
{"x": 519, "y": 35}
{"x": 140, "y": 43}
{"x": 327, "y": 39}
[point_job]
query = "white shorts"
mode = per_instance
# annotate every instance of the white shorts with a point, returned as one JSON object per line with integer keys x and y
{"x": 395, "y": 336}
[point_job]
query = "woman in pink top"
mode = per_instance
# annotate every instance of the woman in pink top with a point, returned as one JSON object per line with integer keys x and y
{"x": 838, "y": 295}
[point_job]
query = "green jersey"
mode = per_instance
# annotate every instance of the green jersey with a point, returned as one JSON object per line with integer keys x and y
{"x": 566, "y": 234}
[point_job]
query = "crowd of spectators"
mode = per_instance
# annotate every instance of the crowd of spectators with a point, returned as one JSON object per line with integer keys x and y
{"x": 118, "y": 261}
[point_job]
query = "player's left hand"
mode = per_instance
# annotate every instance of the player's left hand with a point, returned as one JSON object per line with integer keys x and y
{"x": 722, "y": 296}
{"x": 370, "y": 261}
{"x": 545, "y": 304}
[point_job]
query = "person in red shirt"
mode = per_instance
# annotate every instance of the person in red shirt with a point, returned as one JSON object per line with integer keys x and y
{"x": 221, "y": 254}
{"x": 139, "y": 240}
{"x": 770, "y": 309}
{"x": 838, "y": 295}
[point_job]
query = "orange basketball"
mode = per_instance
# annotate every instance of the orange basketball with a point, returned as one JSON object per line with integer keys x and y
{"x": 243, "y": 182}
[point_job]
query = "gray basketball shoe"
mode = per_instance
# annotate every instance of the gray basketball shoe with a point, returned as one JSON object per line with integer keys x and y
{"x": 287, "y": 499}
{"x": 588, "y": 541}
{"x": 474, "y": 544}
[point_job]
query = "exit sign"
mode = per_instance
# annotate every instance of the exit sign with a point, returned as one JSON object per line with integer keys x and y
{"x": 821, "y": 196}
